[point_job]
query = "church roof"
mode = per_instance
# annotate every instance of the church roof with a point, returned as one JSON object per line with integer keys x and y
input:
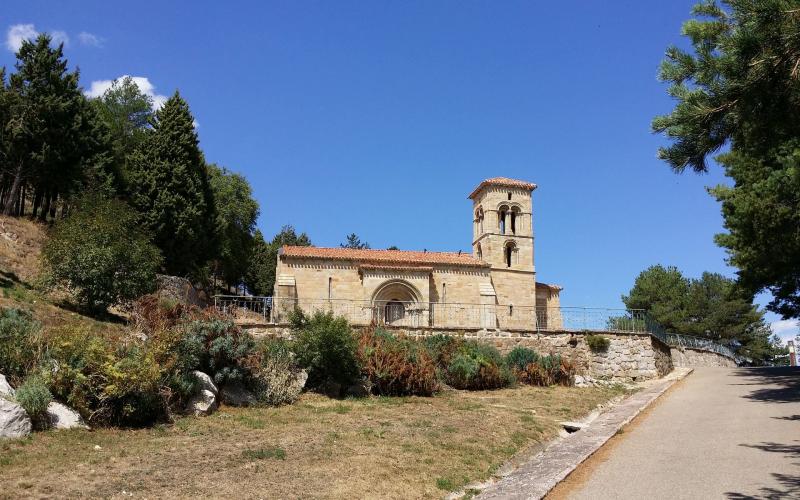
{"x": 505, "y": 182}
{"x": 383, "y": 256}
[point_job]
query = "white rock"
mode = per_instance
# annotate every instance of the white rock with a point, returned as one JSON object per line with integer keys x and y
{"x": 14, "y": 421}
{"x": 5, "y": 388}
{"x": 236, "y": 394}
{"x": 206, "y": 382}
{"x": 203, "y": 403}
{"x": 63, "y": 417}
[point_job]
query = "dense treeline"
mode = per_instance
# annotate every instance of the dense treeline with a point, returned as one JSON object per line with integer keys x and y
{"x": 737, "y": 92}
{"x": 711, "y": 307}
{"x": 61, "y": 153}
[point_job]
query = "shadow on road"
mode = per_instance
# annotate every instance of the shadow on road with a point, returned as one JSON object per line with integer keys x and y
{"x": 790, "y": 488}
{"x": 789, "y": 484}
{"x": 779, "y": 384}
{"x": 775, "y": 385}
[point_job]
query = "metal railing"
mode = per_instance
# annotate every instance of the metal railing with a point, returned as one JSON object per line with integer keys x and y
{"x": 276, "y": 310}
{"x": 688, "y": 341}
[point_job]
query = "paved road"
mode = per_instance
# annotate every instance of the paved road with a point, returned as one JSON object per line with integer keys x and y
{"x": 722, "y": 433}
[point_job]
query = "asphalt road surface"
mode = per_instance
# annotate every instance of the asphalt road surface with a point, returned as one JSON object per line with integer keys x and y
{"x": 721, "y": 433}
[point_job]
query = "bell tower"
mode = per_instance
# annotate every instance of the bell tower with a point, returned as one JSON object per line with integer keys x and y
{"x": 502, "y": 211}
{"x": 503, "y": 223}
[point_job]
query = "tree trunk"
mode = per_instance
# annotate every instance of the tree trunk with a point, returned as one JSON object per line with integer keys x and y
{"x": 54, "y": 205}
{"x": 13, "y": 193}
{"x": 45, "y": 207}
{"x": 37, "y": 202}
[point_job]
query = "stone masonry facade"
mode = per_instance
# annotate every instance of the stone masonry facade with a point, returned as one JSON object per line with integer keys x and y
{"x": 630, "y": 357}
{"x": 492, "y": 288}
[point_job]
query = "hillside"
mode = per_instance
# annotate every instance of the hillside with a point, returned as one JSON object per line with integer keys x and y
{"x": 21, "y": 242}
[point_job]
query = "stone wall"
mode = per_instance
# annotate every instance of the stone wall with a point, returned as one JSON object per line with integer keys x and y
{"x": 629, "y": 356}
{"x": 687, "y": 357}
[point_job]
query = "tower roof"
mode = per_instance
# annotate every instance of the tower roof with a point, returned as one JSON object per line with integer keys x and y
{"x": 505, "y": 182}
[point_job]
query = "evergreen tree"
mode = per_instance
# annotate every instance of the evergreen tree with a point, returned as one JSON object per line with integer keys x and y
{"x": 127, "y": 113}
{"x": 711, "y": 307}
{"x": 740, "y": 88}
{"x": 237, "y": 212}
{"x": 353, "y": 241}
{"x": 260, "y": 277}
{"x": 168, "y": 186}
{"x": 662, "y": 292}
{"x": 53, "y": 145}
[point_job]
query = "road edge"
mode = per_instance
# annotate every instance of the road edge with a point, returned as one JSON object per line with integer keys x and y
{"x": 544, "y": 471}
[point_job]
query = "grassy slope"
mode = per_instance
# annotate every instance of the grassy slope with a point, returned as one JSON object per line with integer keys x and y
{"x": 376, "y": 447}
{"x": 371, "y": 448}
{"x": 21, "y": 242}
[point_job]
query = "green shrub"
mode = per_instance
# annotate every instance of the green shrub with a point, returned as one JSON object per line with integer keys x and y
{"x": 34, "y": 396}
{"x": 217, "y": 347}
{"x": 106, "y": 380}
{"x": 20, "y": 344}
{"x": 520, "y": 357}
{"x": 597, "y": 343}
{"x": 326, "y": 347}
{"x": 276, "y": 376}
{"x": 475, "y": 366}
{"x": 442, "y": 347}
{"x": 101, "y": 253}
{"x": 396, "y": 366}
{"x": 548, "y": 370}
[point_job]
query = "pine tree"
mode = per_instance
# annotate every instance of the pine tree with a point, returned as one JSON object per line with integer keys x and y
{"x": 127, "y": 113}
{"x": 260, "y": 276}
{"x": 237, "y": 212}
{"x": 168, "y": 186}
{"x": 53, "y": 144}
{"x": 353, "y": 241}
{"x": 739, "y": 88}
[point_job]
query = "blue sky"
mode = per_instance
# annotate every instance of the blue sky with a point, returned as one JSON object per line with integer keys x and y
{"x": 380, "y": 117}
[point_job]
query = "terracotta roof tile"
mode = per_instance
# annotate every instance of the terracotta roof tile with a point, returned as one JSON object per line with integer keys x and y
{"x": 395, "y": 267}
{"x": 383, "y": 256}
{"x": 503, "y": 181}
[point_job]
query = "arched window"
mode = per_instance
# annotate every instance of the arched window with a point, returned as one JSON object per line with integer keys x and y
{"x": 513, "y": 222}
{"x": 508, "y": 253}
{"x": 479, "y": 221}
{"x": 501, "y": 219}
{"x": 479, "y": 252}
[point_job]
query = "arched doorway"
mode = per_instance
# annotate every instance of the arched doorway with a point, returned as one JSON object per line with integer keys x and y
{"x": 397, "y": 303}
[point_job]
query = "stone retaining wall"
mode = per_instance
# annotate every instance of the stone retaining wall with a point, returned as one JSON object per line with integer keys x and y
{"x": 688, "y": 357}
{"x": 628, "y": 357}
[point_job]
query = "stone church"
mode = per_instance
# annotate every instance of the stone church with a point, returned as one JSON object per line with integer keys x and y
{"x": 494, "y": 287}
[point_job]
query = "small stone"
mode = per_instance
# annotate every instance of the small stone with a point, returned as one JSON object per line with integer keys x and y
{"x": 14, "y": 421}
{"x": 5, "y": 387}
{"x": 97, "y": 447}
{"x": 63, "y": 417}
{"x": 206, "y": 382}
{"x": 235, "y": 394}
{"x": 203, "y": 403}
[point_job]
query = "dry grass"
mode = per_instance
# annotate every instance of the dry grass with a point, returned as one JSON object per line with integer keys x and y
{"x": 21, "y": 243}
{"x": 322, "y": 448}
